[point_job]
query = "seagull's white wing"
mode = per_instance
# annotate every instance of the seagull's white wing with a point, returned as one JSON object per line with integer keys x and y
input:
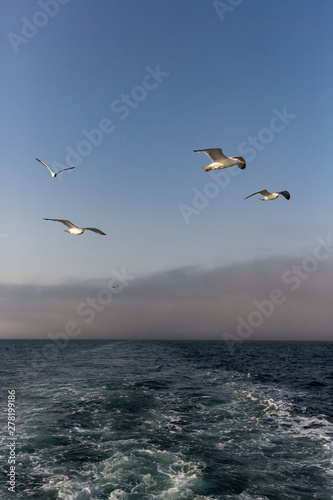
{"x": 63, "y": 170}
{"x": 67, "y": 223}
{"x": 94, "y": 229}
{"x": 215, "y": 154}
{"x": 45, "y": 165}
{"x": 264, "y": 192}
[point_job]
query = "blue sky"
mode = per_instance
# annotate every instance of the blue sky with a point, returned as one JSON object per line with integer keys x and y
{"x": 223, "y": 72}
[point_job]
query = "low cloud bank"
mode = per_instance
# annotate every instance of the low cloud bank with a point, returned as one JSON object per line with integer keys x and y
{"x": 272, "y": 299}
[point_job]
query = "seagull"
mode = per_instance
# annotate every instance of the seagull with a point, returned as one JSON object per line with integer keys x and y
{"x": 270, "y": 196}
{"x": 115, "y": 286}
{"x": 76, "y": 230}
{"x": 220, "y": 160}
{"x": 54, "y": 174}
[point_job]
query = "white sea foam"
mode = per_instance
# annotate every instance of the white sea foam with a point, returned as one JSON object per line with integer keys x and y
{"x": 126, "y": 430}
{"x": 317, "y": 428}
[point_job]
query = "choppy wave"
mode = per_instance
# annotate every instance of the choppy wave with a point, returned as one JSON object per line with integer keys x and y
{"x": 172, "y": 420}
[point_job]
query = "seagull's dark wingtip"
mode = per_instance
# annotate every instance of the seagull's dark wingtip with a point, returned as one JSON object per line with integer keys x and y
{"x": 286, "y": 194}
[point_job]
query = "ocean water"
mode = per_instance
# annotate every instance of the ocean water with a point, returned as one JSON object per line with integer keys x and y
{"x": 168, "y": 420}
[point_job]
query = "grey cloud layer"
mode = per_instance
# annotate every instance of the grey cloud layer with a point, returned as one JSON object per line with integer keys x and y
{"x": 185, "y": 303}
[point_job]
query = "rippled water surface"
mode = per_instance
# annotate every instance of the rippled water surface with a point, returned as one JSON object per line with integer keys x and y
{"x": 169, "y": 420}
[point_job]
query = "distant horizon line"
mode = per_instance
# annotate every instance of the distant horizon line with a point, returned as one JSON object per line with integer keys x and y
{"x": 164, "y": 340}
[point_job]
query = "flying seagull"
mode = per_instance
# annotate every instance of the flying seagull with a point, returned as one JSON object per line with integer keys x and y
{"x": 77, "y": 230}
{"x": 270, "y": 196}
{"x": 54, "y": 174}
{"x": 220, "y": 160}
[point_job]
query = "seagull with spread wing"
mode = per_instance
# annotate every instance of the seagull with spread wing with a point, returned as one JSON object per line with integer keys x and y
{"x": 76, "y": 230}
{"x": 270, "y": 196}
{"x": 54, "y": 174}
{"x": 219, "y": 160}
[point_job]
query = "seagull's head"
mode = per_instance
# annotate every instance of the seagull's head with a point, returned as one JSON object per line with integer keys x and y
{"x": 241, "y": 162}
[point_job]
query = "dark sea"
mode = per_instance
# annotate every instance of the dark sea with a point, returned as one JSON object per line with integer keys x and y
{"x": 167, "y": 420}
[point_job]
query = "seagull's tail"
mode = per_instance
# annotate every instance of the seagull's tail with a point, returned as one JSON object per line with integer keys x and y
{"x": 207, "y": 168}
